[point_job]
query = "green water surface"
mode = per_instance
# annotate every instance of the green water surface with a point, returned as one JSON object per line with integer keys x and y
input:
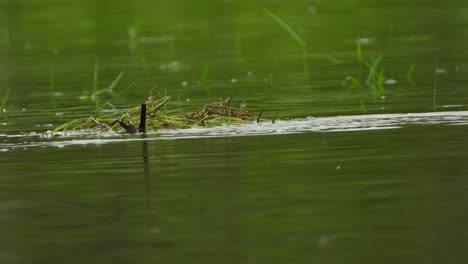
{"x": 378, "y": 196}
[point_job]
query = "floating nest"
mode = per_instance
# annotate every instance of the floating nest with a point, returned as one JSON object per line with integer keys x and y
{"x": 151, "y": 116}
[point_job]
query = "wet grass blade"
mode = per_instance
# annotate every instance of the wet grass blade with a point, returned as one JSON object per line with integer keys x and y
{"x": 108, "y": 102}
{"x": 373, "y": 75}
{"x": 202, "y": 81}
{"x": 295, "y": 36}
{"x": 116, "y": 80}
{"x": 359, "y": 50}
{"x": 110, "y": 88}
{"x": 362, "y": 105}
{"x": 285, "y": 26}
{"x": 355, "y": 85}
{"x": 5, "y": 100}
{"x": 132, "y": 39}
{"x": 410, "y": 74}
{"x": 161, "y": 104}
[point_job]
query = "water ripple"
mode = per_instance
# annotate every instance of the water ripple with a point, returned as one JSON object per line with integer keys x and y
{"x": 310, "y": 124}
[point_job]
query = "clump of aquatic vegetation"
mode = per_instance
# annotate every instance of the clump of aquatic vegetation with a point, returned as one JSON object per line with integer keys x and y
{"x": 151, "y": 115}
{"x": 371, "y": 76}
{"x": 97, "y": 94}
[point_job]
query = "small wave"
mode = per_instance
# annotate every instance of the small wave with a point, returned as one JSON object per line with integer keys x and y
{"x": 310, "y": 124}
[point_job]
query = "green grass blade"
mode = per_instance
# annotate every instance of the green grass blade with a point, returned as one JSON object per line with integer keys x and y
{"x": 285, "y": 26}
{"x": 5, "y": 99}
{"x": 110, "y": 88}
{"x": 202, "y": 81}
{"x": 372, "y": 77}
{"x": 354, "y": 86}
{"x": 410, "y": 74}
{"x": 115, "y": 81}
{"x": 359, "y": 50}
{"x": 362, "y": 105}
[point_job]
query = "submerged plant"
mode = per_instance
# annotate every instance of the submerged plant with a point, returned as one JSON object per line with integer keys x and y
{"x": 97, "y": 94}
{"x": 374, "y": 81}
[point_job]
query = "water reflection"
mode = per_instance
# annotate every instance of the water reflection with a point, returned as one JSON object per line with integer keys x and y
{"x": 146, "y": 176}
{"x": 259, "y": 199}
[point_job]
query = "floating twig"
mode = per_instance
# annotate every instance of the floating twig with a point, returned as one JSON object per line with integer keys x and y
{"x": 259, "y": 115}
{"x": 128, "y": 128}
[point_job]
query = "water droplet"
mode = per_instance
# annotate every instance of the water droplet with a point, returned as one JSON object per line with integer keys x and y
{"x": 174, "y": 66}
{"x": 390, "y": 82}
{"x": 338, "y": 167}
{"x": 4, "y": 150}
{"x": 312, "y": 9}
{"x": 441, "y": 71}
{"x": 451, "y": 106}
{"x": 366, "y": 41}
{"x": 233, "y": 80}
{"x": 184, "y": 83}
{"x": 59, "y": 113}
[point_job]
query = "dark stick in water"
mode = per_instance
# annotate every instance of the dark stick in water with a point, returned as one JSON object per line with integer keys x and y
{"x": 142, "y": 127}
{"x": 128, "y": 128}
{"x": 259, "y": 115}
